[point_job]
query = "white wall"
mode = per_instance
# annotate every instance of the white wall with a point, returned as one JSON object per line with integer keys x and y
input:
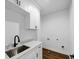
{"x": 27, "y": 34}
{"x": 56, "y": 26}
{"x": 12, "y": 20}
{"x": 71, "y": 11}
{"x": 14, "y": 25}
{"x": 11, "y": 29}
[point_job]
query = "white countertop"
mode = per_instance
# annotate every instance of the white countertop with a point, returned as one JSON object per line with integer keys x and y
{"x": 31, "y": 44}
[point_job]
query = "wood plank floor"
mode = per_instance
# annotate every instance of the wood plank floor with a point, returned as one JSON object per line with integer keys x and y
{"x": 48, "y": 54}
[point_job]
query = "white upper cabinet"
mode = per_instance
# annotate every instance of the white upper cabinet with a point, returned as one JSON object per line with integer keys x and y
{"x": 17, "y": 2}
{"x": 33, "y": 18}
{"x": 13, "y": 1}
{"x": 32, "y": 21}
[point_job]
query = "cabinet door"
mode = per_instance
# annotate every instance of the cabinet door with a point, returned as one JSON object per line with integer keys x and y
{"x": 32, "y": 20}
{"x": 21, "y": 4}
{"x": 40, "y": 51}
{"x": 13, "y": 1}
{"x": 37, "y": 19}
{"x": 28, "y": 56}
{"x": 34, "y": 17}
{"x": 16, "y": 2}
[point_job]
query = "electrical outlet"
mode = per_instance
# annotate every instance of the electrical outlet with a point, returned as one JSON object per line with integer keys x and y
{"x": 62, "y": 46}
{"x": 57, "y": 39}
{"x": 48, "y": 38}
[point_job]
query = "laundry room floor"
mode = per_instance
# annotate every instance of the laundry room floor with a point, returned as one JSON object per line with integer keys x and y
{"x": 48, "y": 54}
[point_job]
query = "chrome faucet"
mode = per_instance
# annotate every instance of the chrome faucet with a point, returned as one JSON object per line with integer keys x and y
{"x": 15, "y": 40}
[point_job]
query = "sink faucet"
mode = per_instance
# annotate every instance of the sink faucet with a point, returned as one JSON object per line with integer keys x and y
{"x": 16, "y": 36}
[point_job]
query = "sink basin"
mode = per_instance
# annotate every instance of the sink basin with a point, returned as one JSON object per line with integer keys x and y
{"x": 22, "y": 48}
{"x": 15, "y": 51}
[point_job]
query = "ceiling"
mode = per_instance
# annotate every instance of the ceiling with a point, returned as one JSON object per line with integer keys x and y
{"x": 50, "y": 6}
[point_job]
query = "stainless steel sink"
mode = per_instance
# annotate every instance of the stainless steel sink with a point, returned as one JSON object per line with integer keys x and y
{"x": 15, "y": 51}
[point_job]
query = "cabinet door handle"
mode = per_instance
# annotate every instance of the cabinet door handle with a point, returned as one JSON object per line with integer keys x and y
{"x": 37, "y": 55}
{"x": 19, "y": 3}
{"x": 39, "y": 46}
{"x": 35, "y": 27}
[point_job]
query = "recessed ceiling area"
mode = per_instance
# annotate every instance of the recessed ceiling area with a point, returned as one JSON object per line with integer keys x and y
{"x": 50, "y": 6}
